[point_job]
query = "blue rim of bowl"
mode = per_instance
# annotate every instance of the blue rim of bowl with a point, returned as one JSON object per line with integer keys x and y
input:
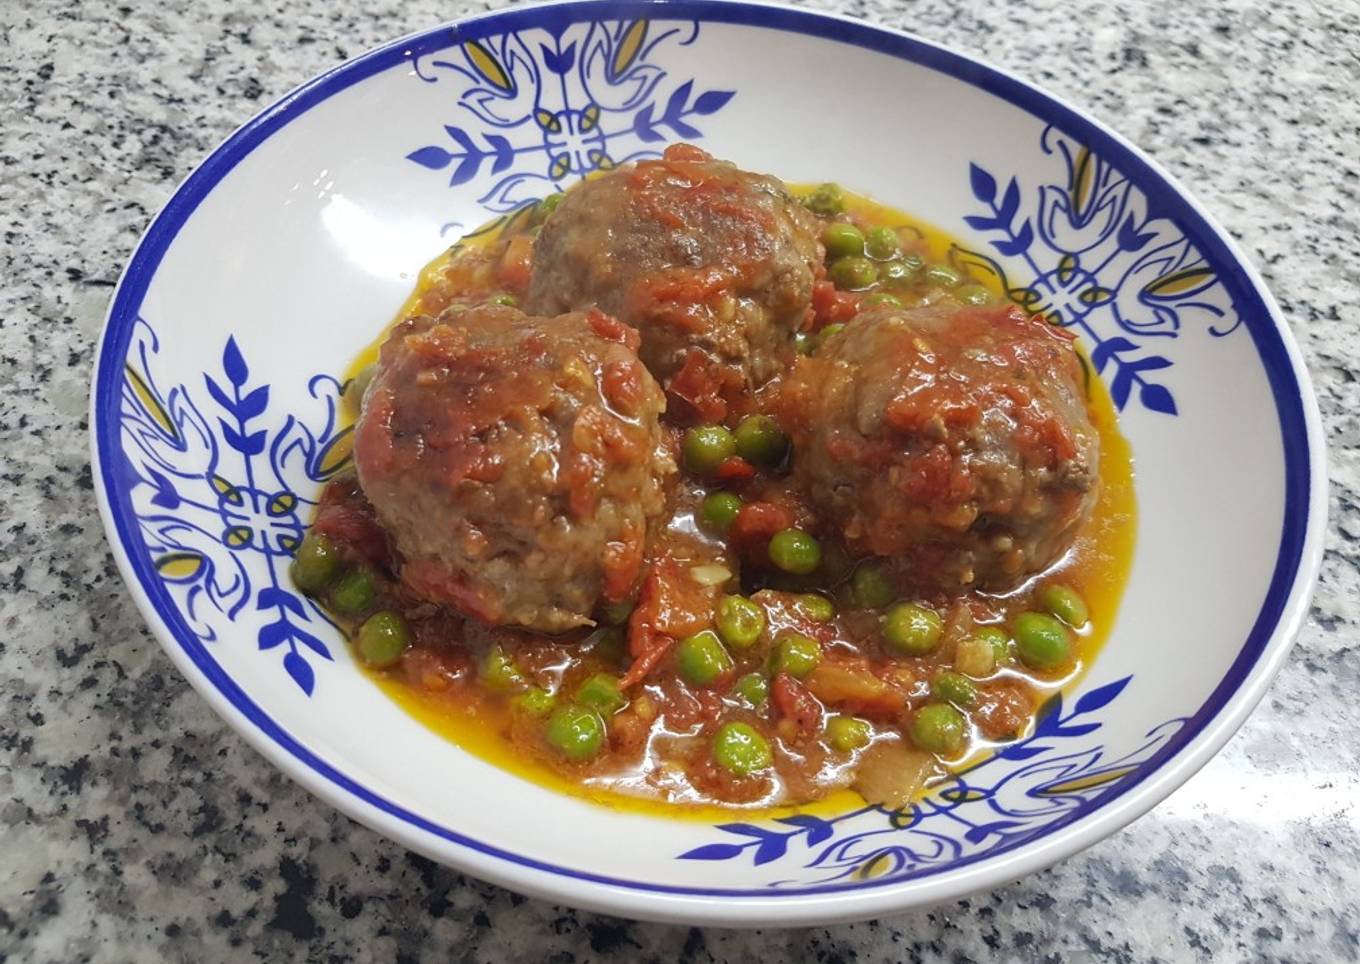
{"x": 1164, "y": 197}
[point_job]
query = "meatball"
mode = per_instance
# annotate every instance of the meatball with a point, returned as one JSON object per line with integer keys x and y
{"x": 954, "y": 439}
{"x": 712, "y": 264}
{"x": 514, "y": 461}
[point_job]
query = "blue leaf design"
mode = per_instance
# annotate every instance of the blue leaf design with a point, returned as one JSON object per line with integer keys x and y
{"x": 1101, "y": 696}
{"x": 311, "y": 642}
{"x": 431, "y": 158}
{"x": 1023, "y": 751}
{"x": 1150, "y": 363}
{"x": 1010, "y": 203}
{"x": 982, "y": 183}
{"x": 1158, "y": 399}
{"x": 1075, "y": 729}
{"x": 461, "y": 138}
{"x": 981, "y": 223}
{"x": 466, "y": 170}
{"x": 1130, "y": 238}
{"x": 745, "y": 829}
{"x": 271, "y": 597}
{"x": 817, "y": 828}
{"x": 683, "y": 129}
{"x": 675, "y": 105}
{"x": 166, "y": 497}
{"x": 643, "y": 126}
{"x": 1108, "y": 349}
{"x": 1046, "y": 720}
{"x": 252, "y": 444}
{"x": 1120, "y": 387}
{"x": 505, "y": 154}
{"x": 253, "y": 404}
{"x": 219, "y": 394}
{"x": 299, "y": 669}
{"x": 712, "y": 101}
{"x": 983, "y": 831}
{"x": 1018, "y": 244}
{"x": 713, "y": 851}
{"x": 771, "y": 849}
{"x": 274, "y": 634}
{"x": 233, "y": 364}
{"x": 558, "y": 63}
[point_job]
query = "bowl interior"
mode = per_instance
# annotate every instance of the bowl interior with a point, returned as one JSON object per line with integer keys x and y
{"x": 215, "y": 419}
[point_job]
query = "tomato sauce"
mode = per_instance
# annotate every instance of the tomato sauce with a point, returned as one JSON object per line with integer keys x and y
{"x": 658, "y": 754}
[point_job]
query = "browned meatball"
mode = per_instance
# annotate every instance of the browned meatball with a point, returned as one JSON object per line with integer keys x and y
{"x": 514, "y": 461}
{"x": 713, "y": 265}
{"x": 953, "y": 439}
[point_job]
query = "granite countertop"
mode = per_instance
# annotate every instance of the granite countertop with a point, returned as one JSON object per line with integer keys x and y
{"x": 134, "y": 825}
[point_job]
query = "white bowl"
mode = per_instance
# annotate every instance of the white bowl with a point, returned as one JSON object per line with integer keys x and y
{"x": 214, "y": 410}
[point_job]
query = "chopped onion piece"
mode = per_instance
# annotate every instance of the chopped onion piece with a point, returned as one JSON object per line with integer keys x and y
{"x": 710, "y": 575}
{"x": 891, "y": 774}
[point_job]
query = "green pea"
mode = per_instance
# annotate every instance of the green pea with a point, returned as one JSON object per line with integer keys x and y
{"x": 912, "y": 629}
{"x": 718, "y": 511}
{"x": 795, "y": 654}
{"x": 882, "y": 244}
{"x": 817, "y": 607}
{"x": 900, "y": 272}
{"x": 601, "y": 692}
{"x": 498, "y": 670}
{"x": 754, "y": 689}
{"x": 997, "y": 638}
{"x": 943, "y": 275}
{"x": 829, "y": 332}
{"x": 740, "y": 621}
{"x": 535, "y": 701}
{"x": 1041, "y": 641}
{"x": 881, "y": 299}
{"x": 828, "y": 200}
{"x": 853, "y": 274}
{"x": 953, "y": 688}
{"x": 939, "y": 728}
{"x": 707, "y": 447}
{"x": 804, "y": 342}
{"x": 354, "y": 593}
{"x": 870, "y": 587}
{"x": 973, "y": 294}
{"x": 316, "y": 563}
{"x": 846, "y": 733}
{"x": 761, "y": 441}
{"x": 577, "y": 732}
{"x": 793, "y": 550}
{"x": 739, "y": 749}
{"x": 545, "y": 207}
{"x": 382, "y": 639}
{"x": 1063, "y": 602}
{"x": 702, "y": 658}
{"x": 842, "y": 240}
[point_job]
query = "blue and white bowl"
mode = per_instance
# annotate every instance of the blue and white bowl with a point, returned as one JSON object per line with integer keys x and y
{"x": 215, "y": 424}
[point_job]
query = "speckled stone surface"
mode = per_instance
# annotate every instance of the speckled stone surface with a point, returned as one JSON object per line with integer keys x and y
{"x": 135, "y": 826}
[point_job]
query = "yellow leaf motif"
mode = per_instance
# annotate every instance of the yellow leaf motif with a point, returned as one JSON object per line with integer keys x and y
{"x": 590, "y": 117}
{"x": 226, "y": 490}
{"x": 1180, "y": 283}
{"x": 336, "y": 454}
{"x": 875, "y": 866}
{"x": 237, "y": 536}
{"x": 282, "y": 504}
{"x": 630, "y": 46}
{"x": 488, "y": 66}
{"x": 1078, "y": 784}
{"x": 150, "y": 403}
{"x": 548, "y": 121}
{"x": 179, "y": 566}
{"x": 1083, "y": 179}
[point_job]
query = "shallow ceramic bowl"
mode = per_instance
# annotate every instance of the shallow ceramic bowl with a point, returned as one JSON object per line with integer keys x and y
{"x": 215, "y": 424}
